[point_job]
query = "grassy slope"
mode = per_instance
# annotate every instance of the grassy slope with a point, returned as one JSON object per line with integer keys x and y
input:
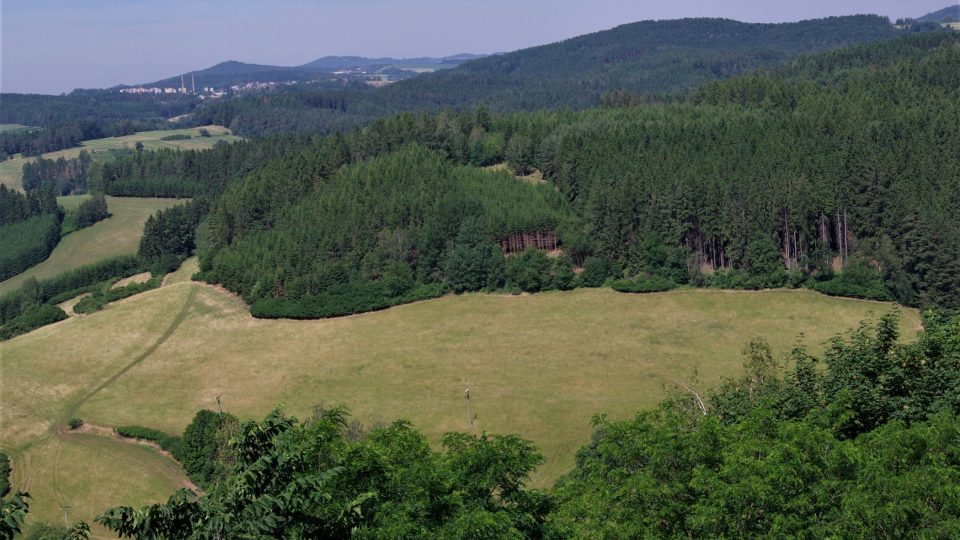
{"x": 116, "y": 235}
{"x": 11, "y": 171}
{"x": 536, "y": 365}
{"x": 11, "y": 128}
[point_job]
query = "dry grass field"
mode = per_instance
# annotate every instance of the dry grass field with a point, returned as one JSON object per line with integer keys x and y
{"x": 11, "y": 171}
{"x": 538, "y": 365}
{"x": 117, "y": 235}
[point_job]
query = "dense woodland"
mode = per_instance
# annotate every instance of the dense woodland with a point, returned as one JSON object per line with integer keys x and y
{"x": 64, "y": 176}
{"x": 29, "y": 229}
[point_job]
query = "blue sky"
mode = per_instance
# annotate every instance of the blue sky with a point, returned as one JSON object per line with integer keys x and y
{"x": 53, "y": 46}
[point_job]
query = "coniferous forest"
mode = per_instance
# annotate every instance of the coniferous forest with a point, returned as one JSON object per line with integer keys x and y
{"x": 836, "y": 171}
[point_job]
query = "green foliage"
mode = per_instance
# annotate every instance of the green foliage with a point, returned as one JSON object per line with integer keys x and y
{"x": 200, "y": 446}
{"x": 171, "y": 232}
{"x": 91, "y": 211}
{"x": 13, "y": 513}
{"x": 648, "y": 57}
{"x": 74, "y": 423}
{"x": 4, "y": 474}
{"x": 801, "y": 452}
{"x": 643, "y": 284}
{"x": 170, "y": 443}
{"x": 180, "y": 136}
{"x": 27, "y": 243}
{"x": 343, "y": 299}
{"x": 474, "y": 263}
{"x": 364, "y": 226}
{"x": 529, "y": 271}
{"x": 857, "y": 281}
{"x": 31, "y": 318}
{"x": 596, "y": 270}
{"x": 309, "y": 481}
{"x": 99, "y": 299}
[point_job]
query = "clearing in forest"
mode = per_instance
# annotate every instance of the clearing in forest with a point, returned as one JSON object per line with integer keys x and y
{"x": 117, "y": 235}
{"x": 11, "y": 171}
{"x": 538, "y": 365}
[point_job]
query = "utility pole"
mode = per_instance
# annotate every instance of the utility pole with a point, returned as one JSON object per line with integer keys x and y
{"x": 469, "y": 412}
{"x": 64, "y": 508}
{"x": 219, "y": 410}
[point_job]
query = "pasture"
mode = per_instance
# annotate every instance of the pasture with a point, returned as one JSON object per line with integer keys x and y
{"x": 11, "y": 171}
{"x": 538, "y": 365}
{"x": 116, "y": 235}
{"x": 13, "y": 128}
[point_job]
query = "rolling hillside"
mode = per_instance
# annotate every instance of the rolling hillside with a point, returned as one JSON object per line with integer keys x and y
{"x": 538, "y": 365}
{"x": 946, "y": 15}
{"x": 11, "y": 171}
{"x": 116, "y": 235}
{"x": 644, "y": 57}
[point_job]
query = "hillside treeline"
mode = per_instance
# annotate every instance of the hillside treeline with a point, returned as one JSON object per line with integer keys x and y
{"x": 64, "y": 176}
{"x": 29, "y": 229}
{"x": 839, "y": 176}
{"x": 648, "y": 57}
{"x": 860, "y": 442}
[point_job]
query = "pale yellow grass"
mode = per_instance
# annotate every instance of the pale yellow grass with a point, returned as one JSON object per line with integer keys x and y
{"x": 184, "y": 273}
{"x": 117, "y": 235}
{"x": 138, "y": 278}
{"x": 538, "y": 365}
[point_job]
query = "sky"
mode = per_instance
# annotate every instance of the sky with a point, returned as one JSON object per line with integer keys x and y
{"x": 54, "y": 46}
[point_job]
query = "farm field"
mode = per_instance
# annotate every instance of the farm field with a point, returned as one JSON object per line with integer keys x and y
{"x": 11, "y": 171}
{"x": 537, "y": 365}
{"x": 116, "y": 235}
{"x": 12, "y": 128}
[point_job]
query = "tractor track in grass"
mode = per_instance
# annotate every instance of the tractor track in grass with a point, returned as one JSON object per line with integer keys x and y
{"x": 73, "y": 407}
{"x": 171, "y": 328}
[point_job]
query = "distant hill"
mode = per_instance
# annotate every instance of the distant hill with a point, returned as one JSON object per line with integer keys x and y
{"x": 947, "y": 14}
{"x": 230, "y": 73}
{"x": 648, "y": 57}
{"x": 642, "y": 57}
{"x": 351, "y": 62}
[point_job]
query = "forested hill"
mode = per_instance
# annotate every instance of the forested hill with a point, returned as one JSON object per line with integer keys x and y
{"x": 838, "y": 173}
{"x": 947, "y": 14}
{"x": 644, "y": 57}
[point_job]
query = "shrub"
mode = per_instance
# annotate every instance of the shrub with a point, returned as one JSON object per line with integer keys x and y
{"x": 204, "y": 132}
{"x": 727, "y": 279}
{"x": 75, "y": 423}
{"x": 529, "y": 271}
{"x": 596, "y": 270}
{"x": 563, "y": 277}
{"x": 644, "y": 284}
{"x": 30, "y": 319}
{"x": 99, "y": 299}
{"x": 4, "y": 474}
{"x": 340, "y": 300}
{"x": 177, "y": 137}
{"x": 170, "y": 443}
{"x": 91, "y": 211}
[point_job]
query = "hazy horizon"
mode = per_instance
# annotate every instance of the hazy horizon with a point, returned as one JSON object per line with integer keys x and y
{"x": 54, "y": 46}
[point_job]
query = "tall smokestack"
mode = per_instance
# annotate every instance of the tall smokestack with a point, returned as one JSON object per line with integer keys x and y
{"x": 193, "y": 84}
